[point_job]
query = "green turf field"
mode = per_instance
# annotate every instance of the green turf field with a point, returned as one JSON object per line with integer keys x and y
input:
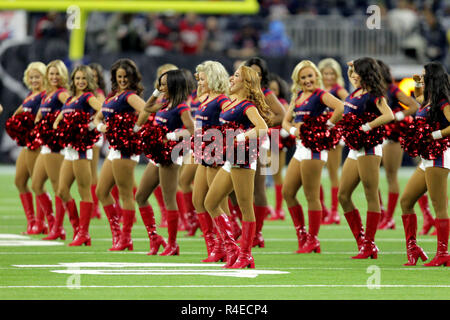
{"x": 31, "y": 269}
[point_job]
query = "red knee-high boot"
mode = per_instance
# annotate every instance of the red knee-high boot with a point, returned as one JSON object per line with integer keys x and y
{"x": 245, "y": 258}
{"x": 225, "y": 232}
{"x": 234, "y": 217}
{"x": 354, "y": 222}
{"x": 162, "y": 206}
{"x": 58, "y": 230}
{"x": 95, "y": 209}
{"x": 325, "y": 212}
{"x": 334, "y": 212}
{"x": 47, "y": 208}
{"x": 428, "y": 220}
{"x": 279, "y": 212}
{"x": 206, "y": 225}
{"x": 191, "y": 215}
{"x": 27, "y": 204}
{"x": 312, "y": 242}
{"x": 369, "y": 249}
{"x": 382, "y": 209}
{"x": 413, "y": 251}
{"x": 388, "y": 220}
{"x": 72, "y": 212}
{"x": 83, "y": 236}
{"x": 182, "y": 224}
{"x": 115, "y": 195}
{"x": 125, "y": 241}
{"x": 39, "y": 224}
{"x": 112, "y": 214}
{"x": 260, "y": 214}
{"x": 299, "y": 223}
{"x": 218, "y": 252}
{"x": 442, "y": 256}
{"x": 172, "y": 247}
{"x": 148, "y": 217}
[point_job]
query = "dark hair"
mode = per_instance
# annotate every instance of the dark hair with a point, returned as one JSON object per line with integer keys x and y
{"x": 385, "y": 72}
{"x": 177, "y": 86}
{"x": 436, "y": 88}
{"x": 261, "y": 63}
{"x": 101, "y": 80}
{"x": 133, "y": 74}
{"x": 370, "y": 74}
{"x": 191, "y": 83}
{"x": 284, "y": 87}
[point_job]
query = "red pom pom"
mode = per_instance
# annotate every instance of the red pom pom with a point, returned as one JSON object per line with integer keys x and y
{"x": 74, "y": 129}
{"x": 354, "y": 137}
{"x": 316, "y": 136}
{"x": 204, "y": 146}
{"x": 155, "y": 145}
{"x": 239, "y": 153}
{"x": 416, "y": 140}
{"x": 395, "y": 128}
{"x": 121, "y": 136}
{"x": 19, "y": 127}
{"x": 46, "y": 135}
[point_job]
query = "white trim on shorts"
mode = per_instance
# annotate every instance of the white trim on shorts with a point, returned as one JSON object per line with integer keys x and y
{"x": 304, "y": 153}
{"x": 116, "y": 154}
{"x": 355, "y": 154}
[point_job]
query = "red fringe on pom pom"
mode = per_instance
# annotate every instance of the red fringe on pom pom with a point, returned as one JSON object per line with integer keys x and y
{"x": 121, "y": 136}
{"x": 73, "y": 129}
{"x": 316, "y": 136}
{"x": 354, "y": 137}
{"x": 19, "y": 128}
{"x": 46, "y": 135}
{"x": 155, "y": 145}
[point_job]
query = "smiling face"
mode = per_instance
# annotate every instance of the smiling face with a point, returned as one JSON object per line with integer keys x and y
{"x": 36, "y": 80}
{"x": 163, "y": 86}
{"x": 122, "y": 79}
{"x": 236, "y": 82}
{"x": 329, "y": 77}
{"x": 80, "y": 81}
{"x": 203, "y": 83}
{"x": 355, "y": 79}
{"x": 307, "y": 79}
{"x": 53, "y": 77}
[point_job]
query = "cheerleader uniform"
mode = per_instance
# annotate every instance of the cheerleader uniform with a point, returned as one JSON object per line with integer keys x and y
{"x": 49, "y": 105}
{"x": 359, "y": 105}
{"x": 32, "y": 104}
{"x": 72, "y": 105}
{"x": 101, "y": 140}
{"x": 313, "y": 106}
{"x": 171, "y": 119}
{"x": 194, "y": 103}
{"x": 111, "y": 106}
{"x": 444, "y": 160}
{"x": 237, "y": 115}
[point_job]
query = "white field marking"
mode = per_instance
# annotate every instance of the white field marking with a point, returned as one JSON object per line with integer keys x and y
{"x": 199, "y": 253}
{"x": 115, "y": 268}
{"x": 364, "y": 286}
{"x": 29, "y": 243}
{"x": 4, "y": 236}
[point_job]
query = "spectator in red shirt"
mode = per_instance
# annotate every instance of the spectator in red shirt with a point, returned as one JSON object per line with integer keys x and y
{"x": 192, "y": 34}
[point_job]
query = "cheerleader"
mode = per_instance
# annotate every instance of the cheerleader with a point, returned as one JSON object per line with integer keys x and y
{"x": 118, "y": 168}
{"x": 262, "y": 208}
{"x": 34, "y": 80}
{"x": 100, "y": 94}
{"x": 213, "y": 85}
{"x": 363, "y": 165}
{"x": 305, "y": 168}
{"x": 392, "y": 151}
{"x": 188, "y": 216}
{"x": 49, "y": 161}
{"x": 281, "y": 90}
{"x": 431, "y": 175}
{"x": 76, "y": 164}
{"x": 247, "y": 108}
{"x": 175, "y": 115}
{"x": 333, "y": 82}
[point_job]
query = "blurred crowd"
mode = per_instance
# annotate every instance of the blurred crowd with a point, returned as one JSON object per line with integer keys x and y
{"x": 244, "y": 36}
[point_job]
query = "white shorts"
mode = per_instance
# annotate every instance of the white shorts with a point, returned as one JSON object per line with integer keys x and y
{"x": 100, "y": 141}
{"x": 375, "y": 151}
{"x": 72, "y": 154}
{"x": 116, "y": 154}
{"x": 442, "y": 162}
{"x": 304, "y": 153}
{"x": 227, "y": 166}
{"x": 47, "y": 150}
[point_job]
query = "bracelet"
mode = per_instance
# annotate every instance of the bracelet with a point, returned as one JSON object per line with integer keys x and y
{"x": 418, "y": 84}
{"x": 437, "y": 134}
{"x": 99, "y": 126}
{"x": 240, "y": 137}
{"x": 156, "y": 93}
{"x": 91, "y": 126}
{"x": 136, "y": 128}
{"x": 292, "y": 131}
{"x": 366, "y": 127}
{"x": 171, "y": 136}
{"x": 399, "y": 116}
{"x": 330, "y": 124}
{"x": 284, "y": 133}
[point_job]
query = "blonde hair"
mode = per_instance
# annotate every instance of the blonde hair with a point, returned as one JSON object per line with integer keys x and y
{"x": 333, "y": 64}
{"x": 91, "y": 85}
{"x": 254, "y": 92}
{"x": 63, "y": 73}
{"x": 162, "y": 69}
{"x": 296, "y": 87}
{"x": 216, "y": 75}
{"x": 40, "y": 67}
